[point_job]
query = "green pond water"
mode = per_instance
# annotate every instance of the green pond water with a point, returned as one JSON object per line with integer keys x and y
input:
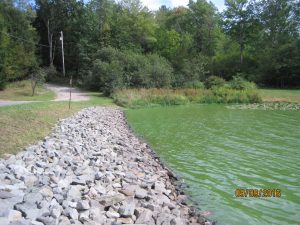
{"x": 217, "y": 150}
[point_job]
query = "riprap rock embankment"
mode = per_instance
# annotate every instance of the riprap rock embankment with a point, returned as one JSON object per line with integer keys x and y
{"x": 91, "y": 170}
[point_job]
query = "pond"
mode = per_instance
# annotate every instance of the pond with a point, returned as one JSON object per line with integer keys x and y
{"x": 217, "y": 150}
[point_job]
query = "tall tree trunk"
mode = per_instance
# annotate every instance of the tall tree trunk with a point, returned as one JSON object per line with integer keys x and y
{"x": 50, "y": 37}
{"x": 242, "y": 45}
{"x": 242, "y": 54}
{"x": 33, "y": 85}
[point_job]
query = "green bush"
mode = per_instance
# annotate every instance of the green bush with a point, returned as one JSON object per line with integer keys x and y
{"x": 2, "y": 82}
{"x": 151, "y": 97}
{"x": 214, "y": 82}
{"x": 194, "y": 84}
{"x": 225, "y": 95}
{"x": 160, "y": 72}
{"x": 51, "y": 73}
{"x": 115, "y": 69}
{"x": 239, "y": 83}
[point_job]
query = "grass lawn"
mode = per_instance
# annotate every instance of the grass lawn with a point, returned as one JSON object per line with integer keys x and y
{"x": 21, "y": 91}
{"x": 21, "y": 125}
{"x": 280, "y": 95}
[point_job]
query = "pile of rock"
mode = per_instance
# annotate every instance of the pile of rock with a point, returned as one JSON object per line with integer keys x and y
{"x": 91, "y": 170}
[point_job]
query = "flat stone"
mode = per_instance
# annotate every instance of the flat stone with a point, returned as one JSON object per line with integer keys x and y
{"x": 159, "y": 187}
{"x": 46, "y": 192}
{"x": 117, "y": 185}
{"x": 146, "y": 217}
{"x": 72, "y": 213}
{"x": 164, "y": 218}
{"x": 74, "y": 192}
{"x": 78, "y": 181}
{"x": 30, "y": 181}
{"x": 140, "y": 193}
{"x": 110, "y": 214}
{"x": 6, "y": 194}
{"x": 64, "y": 221}
{"x": 11, "y": 215}
{"x": 36, "y": 223}
{"x": 56, "y": 211}
{"x": 111, "y": 200}
{"x": 98, "y": 215}
{"x": 177, "y": 221}
{"x": 127, "y": 192}
{"x": 46, "y": 220}
{"x": 128, "y": 207}
{"x": 99, "y": 175}
{"x": 83, "y": 205}
{"x": 125, "y": 220}
{"x": 84, "y": 216}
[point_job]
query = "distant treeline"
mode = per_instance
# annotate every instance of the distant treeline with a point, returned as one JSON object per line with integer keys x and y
{"x": 111, "y": 45}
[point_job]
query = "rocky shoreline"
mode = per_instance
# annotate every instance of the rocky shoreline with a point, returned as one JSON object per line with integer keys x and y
{"x": 91, "y": 170}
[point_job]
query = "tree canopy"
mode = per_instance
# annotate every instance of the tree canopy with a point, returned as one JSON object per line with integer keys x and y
{"x": 258, "y": 40}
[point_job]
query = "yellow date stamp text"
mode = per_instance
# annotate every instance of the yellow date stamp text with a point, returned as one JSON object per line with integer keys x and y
{"x": 258, "y": 193}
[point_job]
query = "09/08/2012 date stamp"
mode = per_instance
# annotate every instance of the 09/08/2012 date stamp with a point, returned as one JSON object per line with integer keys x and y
{"x": 258, "y": 193}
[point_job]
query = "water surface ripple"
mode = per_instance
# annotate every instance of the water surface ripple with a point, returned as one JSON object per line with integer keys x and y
{"x": 217, "y": 150}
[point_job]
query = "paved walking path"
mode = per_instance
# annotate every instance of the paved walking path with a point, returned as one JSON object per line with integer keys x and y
{"x": 62, "y": 94}
{"x": 8, "y": 103}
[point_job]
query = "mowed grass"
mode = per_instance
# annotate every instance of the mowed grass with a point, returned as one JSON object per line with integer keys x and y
{"x": 22, "y": 125}
{"x": 21, "y": 91}
{"x": 280, "y": 95}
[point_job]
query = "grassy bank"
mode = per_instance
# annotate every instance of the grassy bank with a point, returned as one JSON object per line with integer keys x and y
{"x": 151, "y": 97}
{"x": 21, "y": 91}
{"x": 22, "y": 125}
{"x": 280, "y": 95}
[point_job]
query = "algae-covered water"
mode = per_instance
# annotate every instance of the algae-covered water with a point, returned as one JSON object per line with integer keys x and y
{"x": 217, "y": 150}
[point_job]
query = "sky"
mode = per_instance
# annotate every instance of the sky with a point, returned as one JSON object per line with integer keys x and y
{"x": 155, "y": 4}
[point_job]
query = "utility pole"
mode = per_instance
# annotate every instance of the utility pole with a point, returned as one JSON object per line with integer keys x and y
{"x": 63, "y": 62}
{"x": 62, "y": 52}
{"x": 71, "y": 80}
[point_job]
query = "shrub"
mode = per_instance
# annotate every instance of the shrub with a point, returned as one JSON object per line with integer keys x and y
{"x": 37, "y": 78}
{"x": 115, "y": 69}
{"x": 195, "y": 68}
{"x": 159, "y": 71}
{"x": 2, "y": 81}
{"x": 214, "y": 81}
{"x": 239, "y": 83}
{"x": 51, "y": 73}
{"x": 107, "y": 76}
{"x": 151, "y": 97}
{"x": 193, "y": 84}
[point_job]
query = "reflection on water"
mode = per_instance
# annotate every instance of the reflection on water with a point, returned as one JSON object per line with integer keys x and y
{"x": 217, "y": 150}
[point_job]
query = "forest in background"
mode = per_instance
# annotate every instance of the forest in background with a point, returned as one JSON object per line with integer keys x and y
{"x": 112, "y": 45}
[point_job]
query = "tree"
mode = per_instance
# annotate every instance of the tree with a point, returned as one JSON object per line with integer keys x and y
{"x": 37, "y": 78}
{"x": 202, "y": 20}
{"x": 17, "y": 42}
{"x": 239, "y": 23}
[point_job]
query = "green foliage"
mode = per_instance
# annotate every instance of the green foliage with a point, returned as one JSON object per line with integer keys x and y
{"x": 214, "y": 82}
{"x": 225, "y": 95}
{"x": 2, "y": 82}
{"x": 172, "y": 47}
{"x": 114, "y": 69}
{"x": 133, "y": 98}
{"x": 17, "y": 43}
{"x": 194, "y": 84}
{"x": 50, "y": 73}
{"x": 160, "y": 72}
{"x": 38, "y": 77}
{"x": 239, "y": 83}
